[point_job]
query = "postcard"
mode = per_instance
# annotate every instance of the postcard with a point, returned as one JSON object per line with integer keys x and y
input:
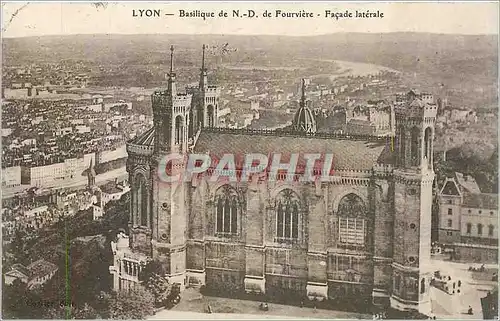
{"x": 249, "y": 160}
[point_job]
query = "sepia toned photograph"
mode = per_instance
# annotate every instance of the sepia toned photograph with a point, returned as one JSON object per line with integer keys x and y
{"x": 249, "y": 160}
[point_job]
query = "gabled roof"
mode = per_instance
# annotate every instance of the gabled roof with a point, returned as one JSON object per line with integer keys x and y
{"x": 21, "y": 268}
{"x": 19, "y": 272}
{"x": 450, "y": 187}
{"x": 41, "y": 268}
{"x": 467, "y": 183}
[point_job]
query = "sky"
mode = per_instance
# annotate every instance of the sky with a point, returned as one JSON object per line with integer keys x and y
{"x": 67, "y": 18}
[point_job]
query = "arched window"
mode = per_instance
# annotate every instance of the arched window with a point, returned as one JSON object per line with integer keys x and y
{"x": 491, "y": 228}
{"x": 210, "y": 116}
{"x": 397, "y": 282}
{"x": 415, "y": 144}
{"x": 422, "y": 286}
{"x": 192, "y": 123}
{"x": 179, "y": 130}
{"x": 200, "y": 120}
{"x": 402, "y": 146}
{"x": 287, "y": 216}
{"x": 428, "y": 145}
{"x": 469, "y": 228}
{"x": 480, "y": 229}
{"x": 141, "y": 200}
{"x": 226, "y": 212}
{"x": 352, "y": 221}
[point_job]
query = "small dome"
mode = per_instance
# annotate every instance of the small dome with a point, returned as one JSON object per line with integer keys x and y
{"x": 304, "y": 120}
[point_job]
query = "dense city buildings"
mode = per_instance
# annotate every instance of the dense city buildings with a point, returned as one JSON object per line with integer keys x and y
{"x": 363, "y": 234}
{"x": 34, "y": 275}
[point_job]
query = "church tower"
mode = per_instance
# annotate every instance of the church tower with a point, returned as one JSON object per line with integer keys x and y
{"x": 171, "y": 116}
{"x": 208, "y": 109}
{"x": 413, "y": 178}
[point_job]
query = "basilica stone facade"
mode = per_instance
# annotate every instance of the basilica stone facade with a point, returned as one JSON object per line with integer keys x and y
{"x": 364, "y": 233}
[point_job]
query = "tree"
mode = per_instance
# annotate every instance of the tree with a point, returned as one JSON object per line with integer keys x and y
{"x": 18, "y": 245}
{"x": 72, "y": 312}
{"x": 134, "y": 304}
{"x": 154, "y": 280}
{"x": 18, "y": 302}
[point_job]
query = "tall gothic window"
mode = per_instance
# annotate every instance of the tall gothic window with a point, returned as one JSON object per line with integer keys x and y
{"x": 200, "y": 120}
{"x": 287, "y": 216}
{"x": 397, "y": 283}
{"x": 480, "y": 229}
{"x": 141, "y": 200}
{"x": 191, "y": 123}
{"x": 415, "y": 142}
{"x": 428, "y": 144}
{"x": 210, "y": 115}
{"x": 226, "y": 211}
{"x": 352, "y": 221}
{"x": 179, "y": 130}
{"x": 402, "y": 146}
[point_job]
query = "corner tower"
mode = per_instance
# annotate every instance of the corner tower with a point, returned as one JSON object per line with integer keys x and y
{"x": 414, "y": 175}
{"x": 171, "y": 117}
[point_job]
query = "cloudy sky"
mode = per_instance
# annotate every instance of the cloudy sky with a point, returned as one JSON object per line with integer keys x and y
{"x": 34, "y": 19}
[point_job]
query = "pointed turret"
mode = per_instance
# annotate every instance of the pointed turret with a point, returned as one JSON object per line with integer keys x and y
{"x": 304, "y": 120}
{"x": 303, "y": 97}
{"x": 171, "y": 75}
{"x": 203, "y": 70}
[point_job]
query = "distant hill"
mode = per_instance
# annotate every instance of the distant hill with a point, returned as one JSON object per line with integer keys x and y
{"x": 455, "y": 60}
{"x": 395, "y": 50}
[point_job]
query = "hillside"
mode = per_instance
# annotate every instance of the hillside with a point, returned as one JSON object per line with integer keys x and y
{"x": 80, "y": 247}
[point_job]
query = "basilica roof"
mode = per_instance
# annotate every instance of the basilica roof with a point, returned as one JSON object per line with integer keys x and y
{"x": 144, "y": 139}
{"x": 348, "y": 154}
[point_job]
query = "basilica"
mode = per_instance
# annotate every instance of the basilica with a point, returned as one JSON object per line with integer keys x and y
{"x": 363, "y": 233}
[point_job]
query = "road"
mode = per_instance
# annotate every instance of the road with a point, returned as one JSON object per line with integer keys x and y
{"x": 455, "y": 306}
{"x": 225, "y": 308}
{"x": 183, "y": 315}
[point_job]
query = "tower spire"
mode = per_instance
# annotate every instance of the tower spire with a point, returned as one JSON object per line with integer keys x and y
{"x": 171, "y": 75}
{"x": 171, "y": 60}
{"x": 203, "y": 71}
{"x": 203, "y": 58}
{"x": 303, "y": 98}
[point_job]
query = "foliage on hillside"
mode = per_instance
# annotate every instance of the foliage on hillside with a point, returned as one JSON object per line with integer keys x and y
{"x": 464, "y": 160}
{"x": 135, "y": 304}
{"x": 154, "y": 280}
{"x": 80, "y": 247}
